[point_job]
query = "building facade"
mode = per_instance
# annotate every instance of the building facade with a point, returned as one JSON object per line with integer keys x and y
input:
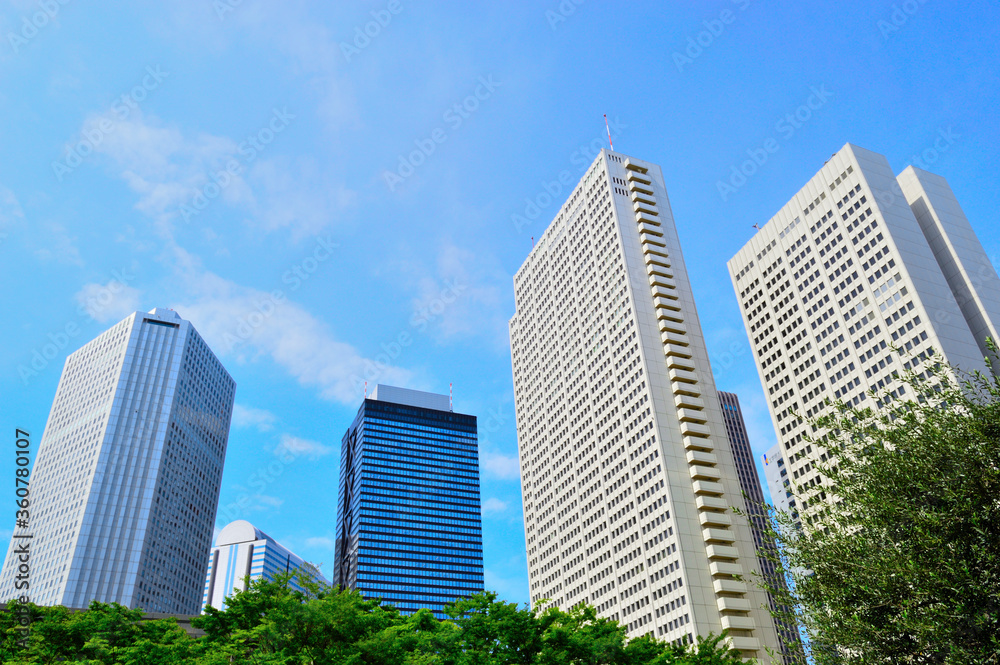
{"x": 626, "y": 476}
{"x": 409, "y": 528}
{"x": 859, "y": 263}
{"x": 746, "y": 471}
{"x": 757, "y": 513}
{"x": 126, "y": 482}
{"x": 242, "y": 550}
{"x": 778, "y": 482}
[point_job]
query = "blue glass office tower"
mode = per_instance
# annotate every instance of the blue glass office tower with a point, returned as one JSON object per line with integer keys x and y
{"x": 409, "y": 529}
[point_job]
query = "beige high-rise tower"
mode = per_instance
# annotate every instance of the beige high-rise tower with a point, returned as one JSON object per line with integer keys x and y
{"x": 858, "y": 262}
{"x": 626, "y": 475}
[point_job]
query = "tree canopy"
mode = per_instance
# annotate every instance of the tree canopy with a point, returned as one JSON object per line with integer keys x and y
{"x": 898, "y": 556}
{"x": 269, "y": 623}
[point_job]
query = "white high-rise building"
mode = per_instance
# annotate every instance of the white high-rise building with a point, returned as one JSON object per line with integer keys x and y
{"x": 858, "y": 262}
{"x": 626, "y": 473}
{"x": 125, "y": 486}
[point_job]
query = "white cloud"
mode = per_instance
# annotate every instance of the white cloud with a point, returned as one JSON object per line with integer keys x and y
{"x": 320, "y": 542}
{"x": 10, "y": 209}
{"x": 289, "y": 197}
{"x": 172, "y": 171}
{"x": 269, "y": 501}
{"x": 250, "y": 324}
{"x": 247, "y": 416}
{"x": 460, "y": 296}
{"x": 499, "y": 466}
{"x": 296, "y": 446}
{"x": 494, "y": 505}
{"x": 289, "y": 29}
{"x": 108, "y": 302}
{"x": 60, "y": 246}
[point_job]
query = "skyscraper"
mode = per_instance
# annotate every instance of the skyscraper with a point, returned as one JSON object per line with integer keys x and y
{"x": 242, "y": 550}
{"x": 409, "y": 528}
{"x": 857, "y": 263}
{"x": 739, "y": 441}
{"x": 126, "y": 482}
{"x": 778, "y": 482}
{"x": 626, "y": 476}
{"x": 746, "y": 471}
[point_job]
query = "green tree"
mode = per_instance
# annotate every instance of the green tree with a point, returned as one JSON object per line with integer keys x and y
{"x": 898, "y": 555}
{"x": 104, "y": 633}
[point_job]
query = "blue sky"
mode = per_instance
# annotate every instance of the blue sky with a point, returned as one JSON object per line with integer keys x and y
{"x": 328, "y": 205}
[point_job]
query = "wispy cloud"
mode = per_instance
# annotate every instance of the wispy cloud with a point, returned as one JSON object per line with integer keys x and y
{"x": 499, "y": 466}
{"x": 177, "y": 174}
{"x": 247, "y": 416}
{"x": 249, "y": 324}
{"x": 109, "y": 302}
{"x": 296, "y": 446}
{"x": 320, "y": 542}
{"x": 11, "y": 212}
{"x": 458, "y": 294}
{"x": 57, "y": 245}
{"x": 494, "y": 505}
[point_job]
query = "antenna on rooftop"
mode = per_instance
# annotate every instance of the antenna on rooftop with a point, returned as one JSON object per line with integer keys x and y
{"x": 606, "y": 126}
{"x": 451, "y": 398}
{"x": 366, "y": 390}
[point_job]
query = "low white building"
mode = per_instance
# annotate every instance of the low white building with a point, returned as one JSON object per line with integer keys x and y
{"x": 242, "y": 550}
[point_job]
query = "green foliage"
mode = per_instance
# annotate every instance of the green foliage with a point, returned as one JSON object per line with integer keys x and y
{"x": 905, "y": 565}
{"x": 105, "y": 633}
{"x": 272, "y": 624}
